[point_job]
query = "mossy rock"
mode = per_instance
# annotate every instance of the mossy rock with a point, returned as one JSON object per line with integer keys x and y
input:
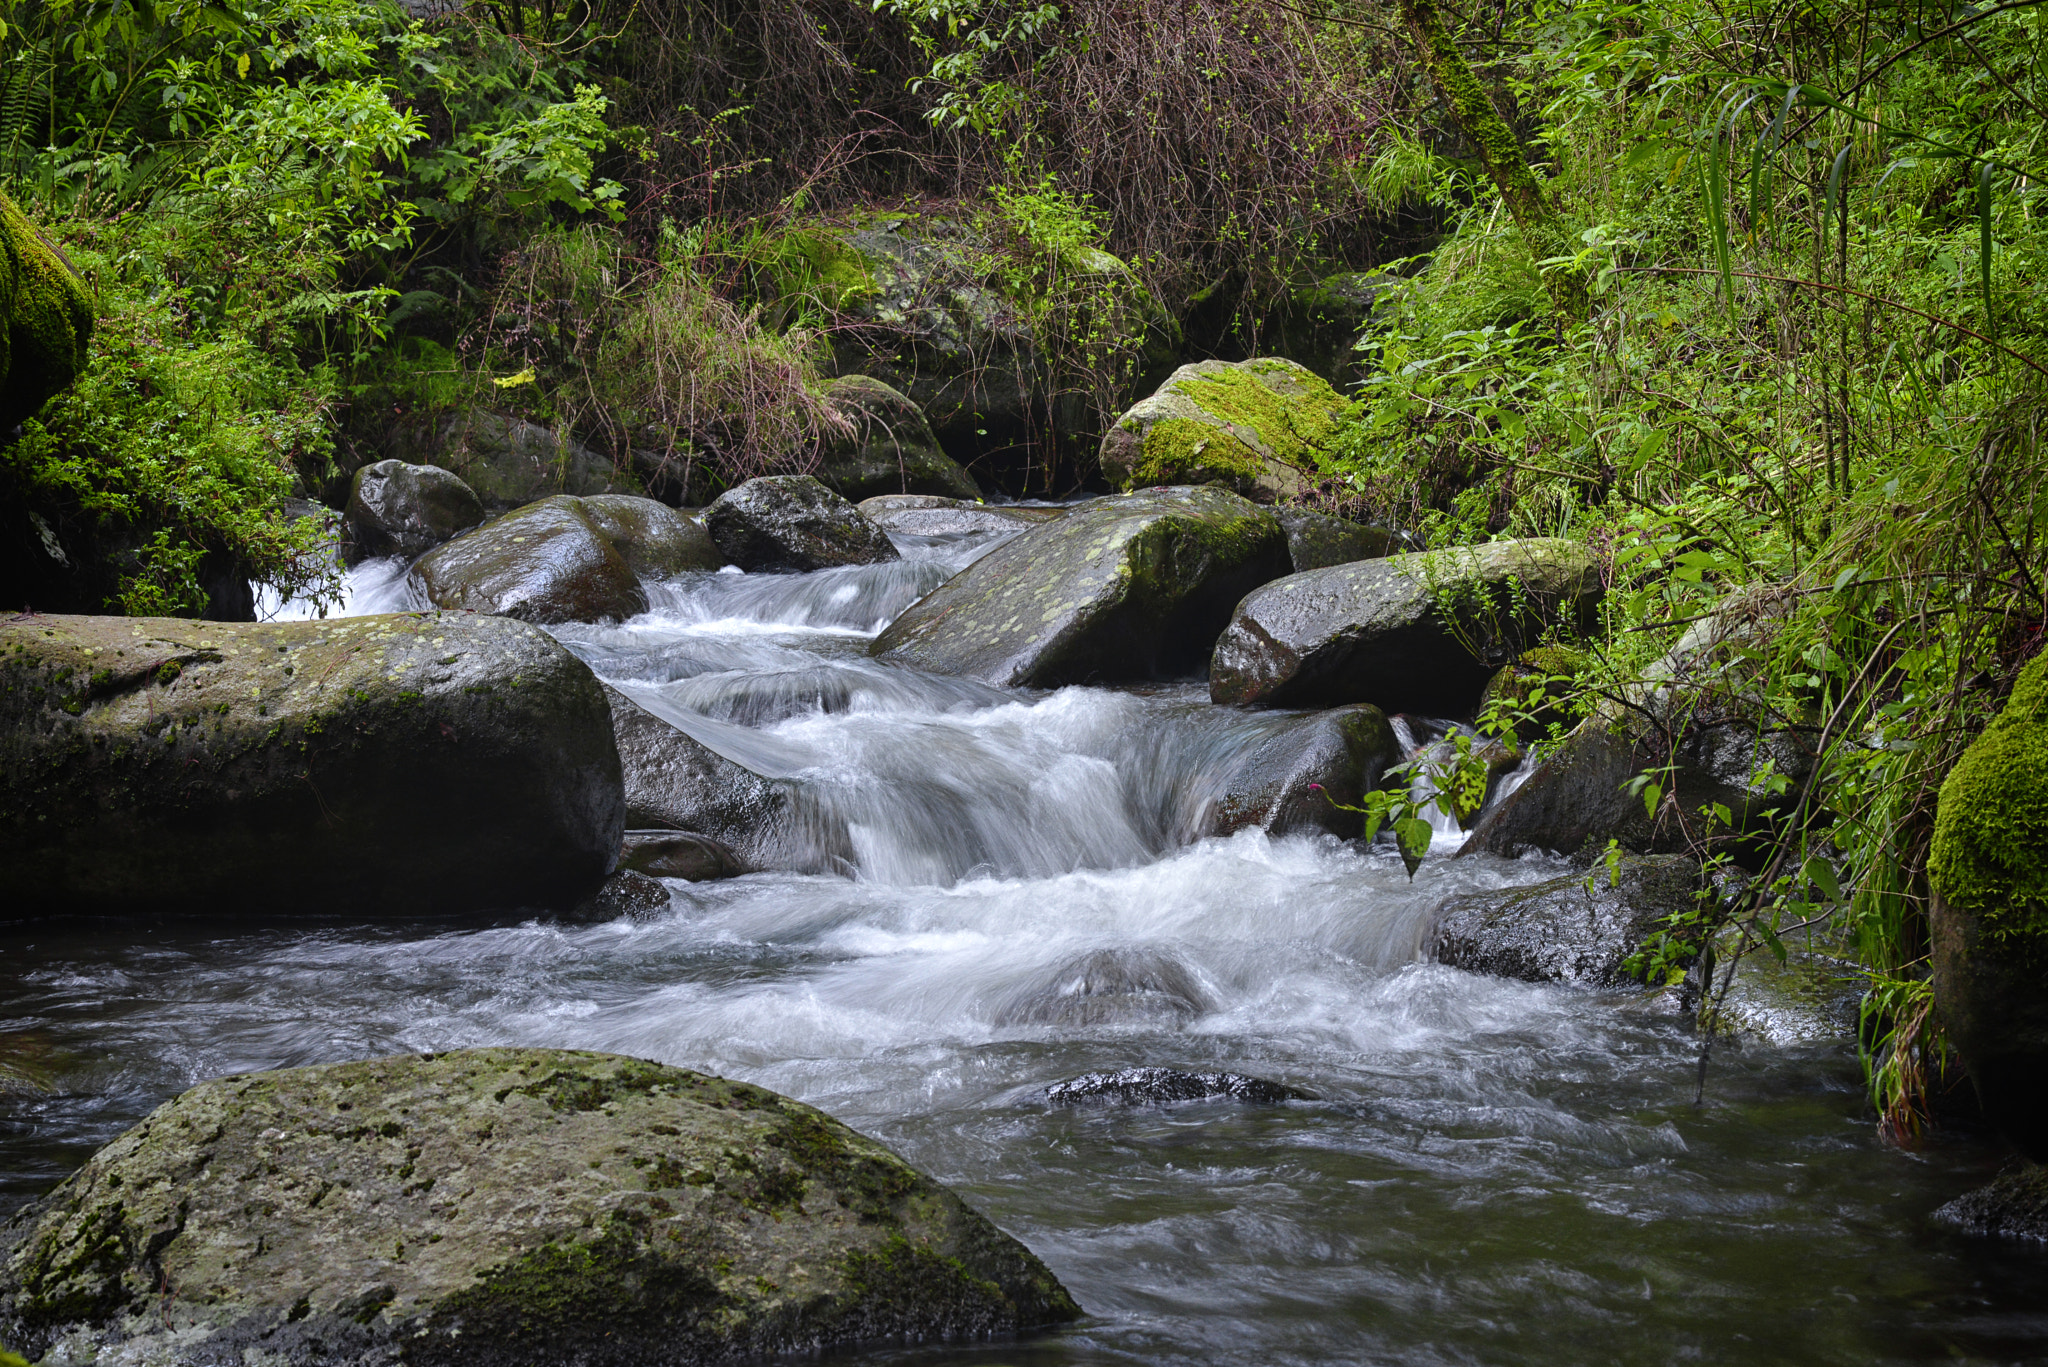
{"x": 1254, "y": 426}
{"x": 1124, "y": 588}
{"x": 1421, "y": 632}
{"x": 496, "y": 1207}
{"x": 385, "y": 765}
{"x": 1989, "y": 915}
{"x": 46, "y": 318}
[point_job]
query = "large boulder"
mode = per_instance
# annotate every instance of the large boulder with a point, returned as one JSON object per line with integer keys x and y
{"x": 1124, "y": 588}
{"x": 1421, "y": 632}
{"x": 400, "y": 509}
{"x": 654, "y": 540}
{"x": 675, "y": 782}
{"x": 1316, "y": 540}
{"x": 46, "y": 318}
{"x": 1295, "y": 773}
{"x": 546, "y": 562}
{"x": 792, "y": 522}
{"x": 1696, "y": 720}
{"x": 888, "y": 447}
{"x": 384, "y": 765}
{"x": 508, "y": 461}
{"x": 500, "y": 1206}
{"x": 1581, "y": 928}
{"x": 1988, "y": 867}
{"x": 1254, "y": 425}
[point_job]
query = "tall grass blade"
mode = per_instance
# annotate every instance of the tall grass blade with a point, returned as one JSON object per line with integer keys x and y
{"x": 1984, "y": 245}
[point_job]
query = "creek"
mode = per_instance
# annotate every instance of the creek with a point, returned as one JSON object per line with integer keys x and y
{"x": 1009, "y": 894}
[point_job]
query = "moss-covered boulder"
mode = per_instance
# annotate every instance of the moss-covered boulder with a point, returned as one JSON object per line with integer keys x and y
{"x": 793, "y": 522}
{"x": 46, "y": 318}
{"x": 654, "y": 540}
{"x": 1125, "y": 588}
{"x": 400, "y": 509}
{"x": 374, "y": 765}
{"x": 1254, "y": 426}
{"x": 889, "y": 447}
{"x": 1989, "y": 915}
{"x": 1420, "y": 632}
{"x": 491, "y": 1207}
{"x": 1580, "y": 928}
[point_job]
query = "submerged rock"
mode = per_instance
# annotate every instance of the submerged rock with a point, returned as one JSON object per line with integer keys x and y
{"x": 2013, "y": 1206}
{"x": 400, "y": 509}
{"x": 546, "y": 562}
{"x": 890, "y": 449}
{"x": 1577, "y": 929}
{"x": 626, "y": 892}
{"x": 1124, "y": 588}
{"x": 1989, "y": 915}
{"x": 680, "y": 854}
{"x": 1421, "y": 633}
{"x": 385, "y": 765}
{"x": 500, "y": 1206}
{"x": 1110, "y": 987}
{"x": 792, "y": 522}
{"x": 1317, "y": 541}
{"x": 46, "y": 318}
{"x": 1158, "y": 1086}
{"x": 1254, "y": 426}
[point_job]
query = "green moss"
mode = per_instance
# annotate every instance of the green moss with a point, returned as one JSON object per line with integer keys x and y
{"x": 1293, "y": 413}
{"x": 46, "y": 318}
{"x": 1990, "y": 852}
{"x": 1184, "y": 451}
{"x": 813, "y": 264}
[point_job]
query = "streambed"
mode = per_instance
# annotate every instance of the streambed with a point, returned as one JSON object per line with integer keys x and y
{"x": 1492, "y": 1172}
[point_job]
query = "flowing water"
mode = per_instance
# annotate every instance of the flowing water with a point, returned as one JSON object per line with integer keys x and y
{"x": 1008, "y": 893}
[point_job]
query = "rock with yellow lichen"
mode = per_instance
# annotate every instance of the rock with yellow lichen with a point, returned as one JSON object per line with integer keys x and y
{"x": 1254, "y": 426}
{"x": 379, "y": 765}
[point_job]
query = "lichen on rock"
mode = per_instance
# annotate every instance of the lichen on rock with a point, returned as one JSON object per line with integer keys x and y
{"x": 1254, "y": 425}
{"x": 46, "y": 318}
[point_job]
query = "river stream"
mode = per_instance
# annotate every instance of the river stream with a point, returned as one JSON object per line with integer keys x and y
{"x": 1010, "y": 895}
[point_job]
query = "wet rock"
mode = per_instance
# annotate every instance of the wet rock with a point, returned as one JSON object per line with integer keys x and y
{"x": 508, "y": 461}
{"x": 910, "y": 515}
{"x": 2012, "y": 1206}
{"x": 1294, "y": 779}
{"x": 680, "y": 854}
{"x": 654, "y": 540}
{"x": 673, "y": 781}
{"x": 1579, "y": 928}
{"x": 890, "y": 449}
{"x": 1811, "y": 997}
{"x": 500, "y": 1206}
{"x": 1110, "y": 987}
{"x": 400, "y": 509}
{"x": 626, "y": 893}
{"x": 546, "y": 562}
{"x": 1989, "y": 914}
{"x": 1124, "y": 588}
{"x": 385, "y": 765}
{"x": 1159, "y": 1086}
{"x": 1418, "y": 633}
{"x": 1696, "y": 718}
{"x": 792, "y": 522}
{"x": 1253, "y": 426}
{"x": 1317, "y": 541}
{"x": 46, "y": 318}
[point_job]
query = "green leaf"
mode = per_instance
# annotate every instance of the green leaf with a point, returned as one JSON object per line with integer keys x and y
{"x": 1412, "y": 835}
{"x": 1821, "y": 874}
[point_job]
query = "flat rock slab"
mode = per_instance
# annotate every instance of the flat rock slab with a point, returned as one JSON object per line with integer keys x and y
{"x": 491, "y": 1207}
{"x": 1421, "y": 632}
{"x": 1124, "y": 588}
{"x": 1158, "y": 1086}
{"x": 378, "y": 765}
{"x": 1577, "y": 929}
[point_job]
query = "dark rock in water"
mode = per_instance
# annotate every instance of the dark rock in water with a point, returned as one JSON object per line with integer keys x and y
{"x": 1420, "y": 633}
{"x": 499, "y": 1206}
{"x": 2013, "y": 1206}
{"x": 546, "y": 562}
{"x": 792, "y": 522}
{"x": 1989, "y": 914}
{"x": 1295, "y": 780}
{"x": 654, "y": 540}
{"x": 1576, "y": 929}
{"x": 1157, "y": 1086}
{"x": 910, "y": 515}
{"x": 1316, "y": 540}
{"x": 383, "y": 765}
{"x": 673, "y": 781}
{"x": 400, "y": 509}
{"x": 891, "y": 449}
{"x": 626, "y": 892}
{"x": 1110, "y": 987}
{"x": 1123, "y": 588}
{"x": 680, "y": 854}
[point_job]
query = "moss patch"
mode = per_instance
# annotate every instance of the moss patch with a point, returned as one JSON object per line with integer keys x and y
{"x": 46, "y": 318}
{"x": 1990, "y": 854}
{"x": 806, "y": 263}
